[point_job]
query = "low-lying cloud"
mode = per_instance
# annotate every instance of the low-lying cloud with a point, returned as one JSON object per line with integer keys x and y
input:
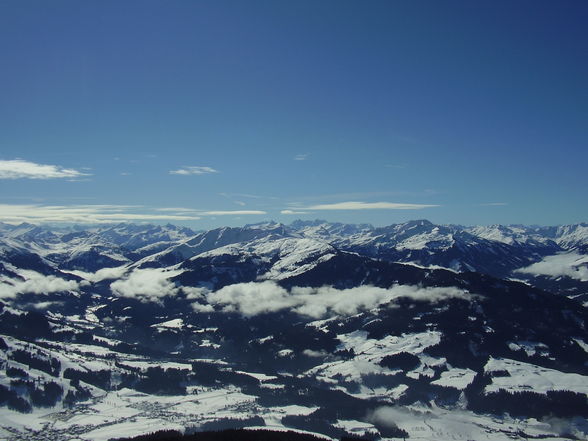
{"x": 146, "y": 284}
{"x": 571, "y": 265}
{"x": 250, "y": 299}
{"x": 101, "y": 274}
{"x": 33, "y": 282}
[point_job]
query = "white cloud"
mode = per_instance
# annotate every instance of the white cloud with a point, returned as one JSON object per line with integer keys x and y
{"x": 101, "y": 274}
{"x": 146, "y": 284}
{"x": 254, "y": 298}
{"x": 301, "y": 157}
{"x": 21, "y": 169}
{"x": 231, "y": 212}
{"x": 35, "y": 283}
{"x": 193, "y": 170}
{"x": 573, "y": 265}
{"x": 352, "y": 205}
{"x": 315, "y": 354}
{"x": 186, "y": 211}
{"x": 388, "y": 416}
{"x": 82, "y": 214}
{"x": 293, "y": 212}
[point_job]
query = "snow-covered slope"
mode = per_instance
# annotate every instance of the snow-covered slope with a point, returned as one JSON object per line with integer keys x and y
{"x": 329, "y": 328}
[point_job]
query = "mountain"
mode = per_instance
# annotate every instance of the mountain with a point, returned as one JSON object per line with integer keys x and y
{"x": 412, "y": 330}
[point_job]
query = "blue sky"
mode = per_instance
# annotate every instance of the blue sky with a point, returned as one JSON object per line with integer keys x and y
{"x": 210, "y": 113}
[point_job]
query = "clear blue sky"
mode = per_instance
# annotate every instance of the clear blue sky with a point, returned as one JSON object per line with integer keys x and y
{"x": 233, "y": 112}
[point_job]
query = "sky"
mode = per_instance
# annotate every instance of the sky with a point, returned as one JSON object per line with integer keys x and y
{"x": 211, "y": 113}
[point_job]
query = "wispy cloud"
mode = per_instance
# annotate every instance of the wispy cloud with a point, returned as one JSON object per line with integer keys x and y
{"x": 395, "y": 165}
{"x": 231, "y": 212}
{"x": 246, "y": 195}
{"x": 354, "y": 205}
{"x": 83, "y": 214}
{"x": 353, "y": 196}
{"x": 293, "y": 212}
{"x": 193, "y": 170}
{"x": 301, "y": 157}
{"x": 493, "y": 204}
{"x": 194, "y": 211}
{"x": 21, "y": 169}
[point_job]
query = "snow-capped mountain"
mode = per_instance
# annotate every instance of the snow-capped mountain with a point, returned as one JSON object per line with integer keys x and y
{"x": 410, "y": 330}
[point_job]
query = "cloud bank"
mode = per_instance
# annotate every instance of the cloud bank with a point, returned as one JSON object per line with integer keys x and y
{"x": 146, "y": 284}
{"x": 33, "y": 282}
{"x": 572, "y": 265}
{"x": 21, "y": 169}
{"x": 254, "y": 298}
{"x": 101, "y": 274}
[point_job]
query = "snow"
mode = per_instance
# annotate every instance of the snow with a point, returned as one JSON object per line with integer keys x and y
{"x": 427, "y": 423}
{"x": 357, "y": 428}
{"x": 162, "y": 364}
{"x": 372, "y": 349}
{"x": 530, "y": 347}
{"x": 531, "y": 378}
{"x": 582, "y": 344}
{"x": 172, "y": 324}
{"x": 369, "y": 353}
{"x": 455, "y": 377}
{"x": 258, "y": 376}
{"x": 131, "y": 428}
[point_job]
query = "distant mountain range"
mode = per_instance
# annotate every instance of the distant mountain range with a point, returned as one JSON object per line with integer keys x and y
{"x": 413, "y": 329}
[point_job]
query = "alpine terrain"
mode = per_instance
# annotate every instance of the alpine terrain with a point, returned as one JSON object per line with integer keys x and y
{"x": 409, "y": 331}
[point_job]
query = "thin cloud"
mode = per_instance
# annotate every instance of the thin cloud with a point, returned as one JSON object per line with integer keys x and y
{"x": 246, "y": 195}
{"x": 232, "y": 212}
{"x": 367, "y": 195}
{"x": 82, "y": 214}
{"x": 395, "y": 165}
{"x": 212, "y": 212}
{"x": 493, "y": 204}
{"x": 352, "y": 205}
{"x": 293, "y": 212}
{"x": 193, "y": 170}
{"x": 101, "y": 274}
{"x": 301, "y": 157}
{"x": 21, "y": 169}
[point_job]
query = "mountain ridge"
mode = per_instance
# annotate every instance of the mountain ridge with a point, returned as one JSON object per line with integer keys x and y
{"x": 314, "y": 327}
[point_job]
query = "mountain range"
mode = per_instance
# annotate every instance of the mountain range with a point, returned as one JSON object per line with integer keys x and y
{"x": 410, "y": 330}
